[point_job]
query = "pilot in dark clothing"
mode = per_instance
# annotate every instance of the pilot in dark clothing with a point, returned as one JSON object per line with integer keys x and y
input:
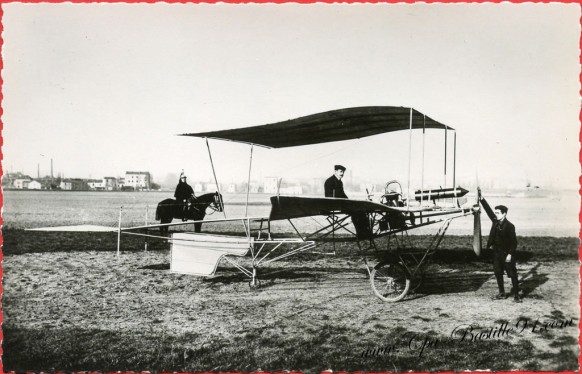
{"x": 334, "y": 187}
{"x": 503, "y": 240}
{"x": 183, "y": 193}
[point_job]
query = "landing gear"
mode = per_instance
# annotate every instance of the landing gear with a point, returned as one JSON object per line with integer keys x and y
{"x": 417, "y": 278}
{"x": 390, "y": 281}
{"x": 254, "y": 282}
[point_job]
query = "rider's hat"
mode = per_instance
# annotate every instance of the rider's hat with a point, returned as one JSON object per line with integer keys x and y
{"x": 339, "y": 167}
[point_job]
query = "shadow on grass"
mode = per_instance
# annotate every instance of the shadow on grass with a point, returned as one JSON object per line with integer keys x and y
{"x": 440, "y": 278}
{"x": 17, "y": 241}
{"x": 164, "y": 266}
{"x": 272, "y": 276}
{"x": 453, "y": 249}
{"x": 532, "y": 280}
{"x": 448, "y": 282}
{"x": 314, "y": 348}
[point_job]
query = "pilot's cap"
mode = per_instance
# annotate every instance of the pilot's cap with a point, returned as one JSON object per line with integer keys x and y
{"x": 502, "y": 208}
{"x": 340, "y": 167}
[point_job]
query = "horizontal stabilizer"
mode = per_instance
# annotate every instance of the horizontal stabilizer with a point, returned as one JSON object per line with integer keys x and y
{"x": 199, "y": 254}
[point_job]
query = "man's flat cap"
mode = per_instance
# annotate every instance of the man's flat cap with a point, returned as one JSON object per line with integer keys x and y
{"x": 340, "y": 167}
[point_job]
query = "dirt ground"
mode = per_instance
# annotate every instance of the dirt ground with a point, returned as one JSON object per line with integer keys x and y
{"x": 136, "y": 292}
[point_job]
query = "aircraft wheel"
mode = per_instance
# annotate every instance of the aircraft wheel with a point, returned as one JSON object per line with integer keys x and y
{"x": 390, "y": 281}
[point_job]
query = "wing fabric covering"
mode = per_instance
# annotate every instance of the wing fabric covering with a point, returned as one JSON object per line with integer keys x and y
{"x": 289, "y": 207}
{"x": 335, "y": 125}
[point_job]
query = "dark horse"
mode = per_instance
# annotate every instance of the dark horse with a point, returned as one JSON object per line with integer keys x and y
{"x": 169, "y": 209}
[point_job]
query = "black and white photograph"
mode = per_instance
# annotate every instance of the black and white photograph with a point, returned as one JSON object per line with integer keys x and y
{"x": 260, "y": 187}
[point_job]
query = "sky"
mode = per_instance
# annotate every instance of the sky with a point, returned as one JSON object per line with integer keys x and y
{"x": 105, "y": 88}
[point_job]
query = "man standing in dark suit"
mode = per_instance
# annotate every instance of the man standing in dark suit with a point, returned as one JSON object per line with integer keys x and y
{"x": 503, "y": 240}
{"x": 334, "y": 187}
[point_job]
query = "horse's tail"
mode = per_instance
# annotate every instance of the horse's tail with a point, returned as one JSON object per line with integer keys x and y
{"x": 158, "y": 213}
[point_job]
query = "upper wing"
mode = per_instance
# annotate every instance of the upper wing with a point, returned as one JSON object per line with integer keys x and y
{"x": 335, "y": 125}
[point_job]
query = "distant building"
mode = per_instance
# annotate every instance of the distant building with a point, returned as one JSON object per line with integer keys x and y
{"x": 66, "y": 185}
{"x": 74, "y": 184}
{"x": 21, "y": 183}
{"x": 110, "y": 183}
{"x": 96, "y": 184}
{"x": 270, "y": 185}
{"x": 34, "y": 185}
{"x": 231, "y": 188}
{"x": 138, "y": 180}
{"x": 254, "y": 187}
{"x": 291, "y": 190}
{"x": 9, "y": 179}
{"x": 317, "y": 186}
{"x": 198, "y": 187}
{"x": 105, "y": 184}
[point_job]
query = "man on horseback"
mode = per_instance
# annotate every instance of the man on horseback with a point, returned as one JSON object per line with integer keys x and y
{"x": 183, "y": 194}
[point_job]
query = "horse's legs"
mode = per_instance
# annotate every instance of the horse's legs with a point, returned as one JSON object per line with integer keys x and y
{"x": 198, "y": 226}
{"x": 164, "y": 229}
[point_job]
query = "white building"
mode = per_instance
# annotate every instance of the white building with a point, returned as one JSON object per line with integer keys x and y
{"x": 231, "y": 188}
{"x": 96, "y": 184}
{"x": 110, "y": 184}
{"x": 34, "y": 185}
{"x": 270, "y": 185}
{"x": 291, "y": 190}
{"x": 139, "y": 180}
{"x": 198, "y": 187}
{"x": 74, "y": 184}
{"x": 254, "y": 187}
{"x": 21, "y": 183}
{"x": 66, "y": 185}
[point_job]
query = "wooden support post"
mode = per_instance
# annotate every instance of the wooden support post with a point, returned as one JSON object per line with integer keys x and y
{"x": 146, "y": 230}
{"x": 119, "y": 232}
{"x": 423, "y": 146}
{"x": 445, "y": 183}
{"x": 214, "y": 173}
{"x": 455, "y": 167}
{"x": 409, "y": 200}
{"x": 249, "y": 182}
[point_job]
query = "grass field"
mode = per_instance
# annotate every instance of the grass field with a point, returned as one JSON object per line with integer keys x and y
{"x": 71, "y": 305}
{"x": 453, "y": 248}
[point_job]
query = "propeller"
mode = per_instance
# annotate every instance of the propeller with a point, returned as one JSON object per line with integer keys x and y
{"x": 370, "y": 194}
{"x": 477, "y": 245}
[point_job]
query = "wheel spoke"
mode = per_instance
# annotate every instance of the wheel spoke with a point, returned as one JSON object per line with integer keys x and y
{"x": 390, "y": 281}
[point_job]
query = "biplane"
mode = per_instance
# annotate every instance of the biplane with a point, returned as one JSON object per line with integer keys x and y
{"x": 362, "y": 220}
